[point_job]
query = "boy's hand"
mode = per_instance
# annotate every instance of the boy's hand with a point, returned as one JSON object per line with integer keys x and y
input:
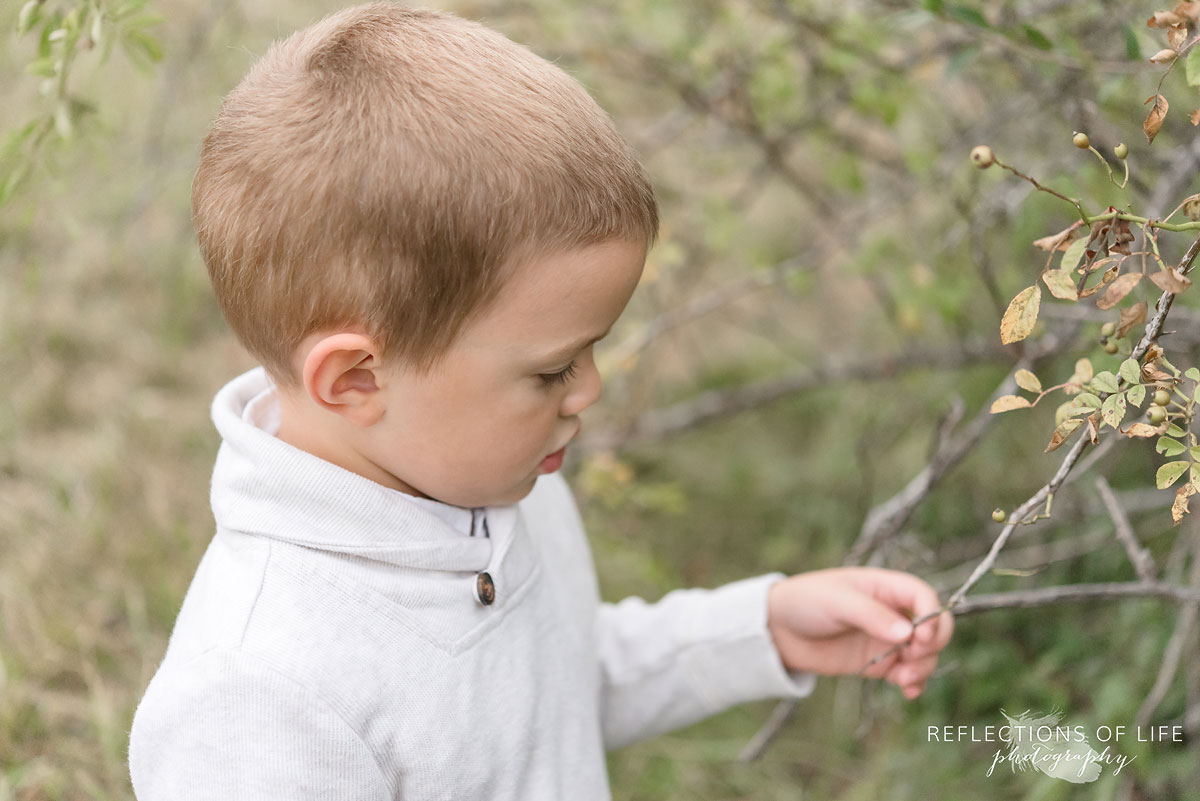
{"x": 836, "y": 620}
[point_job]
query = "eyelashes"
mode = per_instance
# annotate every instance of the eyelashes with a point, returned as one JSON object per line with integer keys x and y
{"x": 561, "y": 377}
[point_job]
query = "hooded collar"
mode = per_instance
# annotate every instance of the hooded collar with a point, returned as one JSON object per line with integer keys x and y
{"x": 264, "y": 486}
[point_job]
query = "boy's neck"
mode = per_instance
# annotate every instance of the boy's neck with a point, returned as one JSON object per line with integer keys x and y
{"x": 302, "y": 429}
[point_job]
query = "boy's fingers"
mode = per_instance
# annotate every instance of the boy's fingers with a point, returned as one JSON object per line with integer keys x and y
{"x": 932, "y": 636}
{"x": 901, "y": 590}
{"x": 908, "y": 672}
{"x": 863, "y": 612}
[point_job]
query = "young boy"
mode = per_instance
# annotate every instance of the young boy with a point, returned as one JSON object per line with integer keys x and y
{"x": 421, "y": 229}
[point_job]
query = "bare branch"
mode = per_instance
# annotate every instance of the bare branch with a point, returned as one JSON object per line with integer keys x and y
{"x": 1174, "y": 650}
{"x": 658, "y": 423}
{"x": 1042, "y": 596}
{"x": 1139, "y": 556}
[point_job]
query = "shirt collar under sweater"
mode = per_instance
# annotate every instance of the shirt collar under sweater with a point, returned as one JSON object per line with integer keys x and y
{"x": 263, "y": 486}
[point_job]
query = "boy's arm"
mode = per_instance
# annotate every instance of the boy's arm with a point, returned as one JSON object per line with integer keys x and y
{"x": 229, "y": 726}
{"x": 690, "y": 655}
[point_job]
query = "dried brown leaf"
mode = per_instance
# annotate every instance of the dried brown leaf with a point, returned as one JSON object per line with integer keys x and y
{"x": 1164, "y": 56}
{"x": 1164, "y": 19}
{"x": 1195, "y": 117}
{"x": 1119, "y": 289}
{"x": 1191, "y": 207}
{"x": 1176, "y": 36}
{"x": 1059, "y": 241}
{"x": 1189, "y": 9}
{"x": 1063, "y": 433}
{"x": 1105, "y": 279}
{"x": 1131, "y": 316}
{"x": 1151, "y": 374}
{"x": 1171, "y": 280}
{"x": 1143, "y": 430}
{"x": 1180, "y": 507}
{"x": 1093, "y": 428}
{"x": 1154, "y": 119}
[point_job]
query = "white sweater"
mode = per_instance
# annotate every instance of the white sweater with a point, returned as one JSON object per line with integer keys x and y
{"x": 333, "y": 643}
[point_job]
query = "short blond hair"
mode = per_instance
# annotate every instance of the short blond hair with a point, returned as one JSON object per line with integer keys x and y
{"x": 387, "y": 168}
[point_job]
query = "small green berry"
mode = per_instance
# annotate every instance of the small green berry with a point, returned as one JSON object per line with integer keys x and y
{"x": 1108, "y": 329}
{"x": 1161, "y": 397}
{"x": 1121, "y": 151}
{"x": 982, "y": 157}
{"x": 998, "y": 515}
{"x": 1081, "y": 141}
{"x": 1110, "y": 347}
{"x": 1157, "y": 415}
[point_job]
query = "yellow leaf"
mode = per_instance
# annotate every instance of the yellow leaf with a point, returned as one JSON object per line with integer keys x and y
{"x": 1061, "y": 284}
{"x": 1006, "y": 403}
{"x": 1021, "y": 315}
{"x": 1027, "y": 380}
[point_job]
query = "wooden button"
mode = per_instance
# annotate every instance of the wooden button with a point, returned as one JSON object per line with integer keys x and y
{"x": 485, "y": 588}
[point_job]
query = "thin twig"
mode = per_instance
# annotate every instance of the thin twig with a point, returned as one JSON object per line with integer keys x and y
{"x": 1139, "y": 557}
{"x": 1174, "y": 650}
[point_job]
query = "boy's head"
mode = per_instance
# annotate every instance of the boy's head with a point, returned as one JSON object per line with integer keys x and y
{"x": 406, "y": 217}
{"x": 388, "y": 169}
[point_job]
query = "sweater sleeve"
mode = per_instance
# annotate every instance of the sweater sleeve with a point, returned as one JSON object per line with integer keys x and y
{"x": 690, "y": 655}
{"x": 229, "y": 726}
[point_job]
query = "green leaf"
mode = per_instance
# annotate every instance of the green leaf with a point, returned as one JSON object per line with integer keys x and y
{"x": 142, "y": 48}
{"x": 1037, "y": 38}
{"x": 1192, "y": 452}
{"x": 31, "y": 12}
{"x": 1192, "y": 373}
{"x": 1130, "y": 371}
{"x": 1105, "y": 381}
{"x": 968, "y": 15}
{"x": 1175, "y": 431}
{"x": 934, "y": 6}
{"x": 12, "y": 181}
{"x": 1133, "y": 50}
{"x": 1087, "y": 401}
{"x": 1169, "y": 447}
{"x": 1137, "y": 394}
{"x": 1191, "y": 67}
{"x": 1194, "y": 477}
{"x": 1073, "y": 254}
{"x": 1169, "y": 473}
{"x": 1113, "y": 410}
{"x": 44, "y": 67}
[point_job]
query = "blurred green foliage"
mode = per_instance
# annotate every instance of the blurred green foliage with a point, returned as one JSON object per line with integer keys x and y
{"x": 832, "y": 135}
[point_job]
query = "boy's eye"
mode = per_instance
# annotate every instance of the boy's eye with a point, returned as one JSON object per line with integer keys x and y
{"x": 561, "y": 377}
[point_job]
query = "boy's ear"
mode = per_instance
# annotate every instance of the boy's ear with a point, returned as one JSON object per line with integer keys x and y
{"x": 340, "y": 375}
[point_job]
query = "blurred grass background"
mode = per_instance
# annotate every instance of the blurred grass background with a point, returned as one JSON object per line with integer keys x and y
{"x": 825, "y": 142}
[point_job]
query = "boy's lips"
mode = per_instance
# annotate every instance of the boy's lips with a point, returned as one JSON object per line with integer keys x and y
{"x": 553, "y": 461}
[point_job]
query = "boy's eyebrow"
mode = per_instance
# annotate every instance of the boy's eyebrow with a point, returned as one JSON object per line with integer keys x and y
{"x": 574, "y": 347}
